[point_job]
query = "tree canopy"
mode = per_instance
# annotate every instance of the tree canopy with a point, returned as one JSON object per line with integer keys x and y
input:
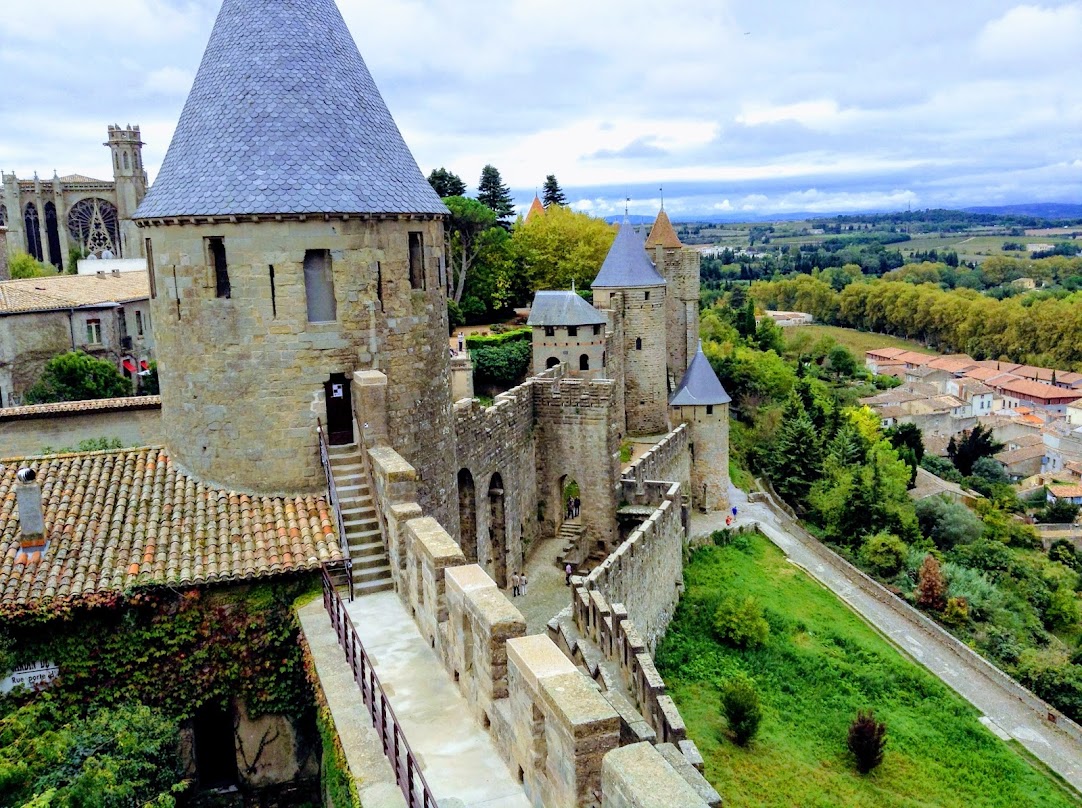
{"x": 552, "y": 193}
{"x": 560, "y": 247}
{"x": 492, "y": 193}
{"x": 469, "y": 219}
{"x": 446, "y": 183}
{"x": 23, "y": 265}
{"x": 77, "y": 376}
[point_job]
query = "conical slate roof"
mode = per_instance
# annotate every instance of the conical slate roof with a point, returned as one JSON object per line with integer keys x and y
{"x": 662, "y": 233}
{"x": 627, "y": 264}
{"x": 700, "y": 385}
{"x": 284, "y": 118}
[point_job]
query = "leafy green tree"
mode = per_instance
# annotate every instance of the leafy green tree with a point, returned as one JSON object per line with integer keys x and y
{"x": 908, "y": 435}
{"x": 492, "y": 193}
{"x": 768, "y": 336}
{"x": 745, "y": 325}
{"x": 1062, "y": 611}
{"x": 560, "y": 247}
{"x": 75, "y": 255}
{"x": 446, "y": 183}
{"x": 972, "y": 446}
{"x": 941, "y": 467}
{"x": 884, "y": 553}
{"x": 23, "y": 265}
{"x": 494, "y": 272}
{"x": 552, "y": 193}
{"x": 501, "y": 366}
{"x": 77, "y": 376}
{"x": 948, "y": 523}
{"x": 116, "y": 757}
{"x": 1060, "y": 512}
{"x": 742, "y": 710}
{"x": 149, "y": 384}
{"x": 841, "y": 362}
{"x": 740, "y": 622}
{"x": 469, "y": 220}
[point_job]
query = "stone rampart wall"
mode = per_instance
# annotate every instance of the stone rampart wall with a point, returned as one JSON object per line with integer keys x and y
{"x": 669, "y": 459}
{"x": 28, "y": 436}
{"x": 645, "y": 573}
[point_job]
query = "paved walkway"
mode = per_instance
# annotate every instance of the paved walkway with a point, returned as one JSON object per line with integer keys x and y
{"x": 546, "y": 593}
{"x": 459, "y": 759}
{"x": 1005, "y": 714}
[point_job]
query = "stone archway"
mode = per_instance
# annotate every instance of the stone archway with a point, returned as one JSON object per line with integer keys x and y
{"x": 497, "y": 531}
{"x": 467, "y": 516}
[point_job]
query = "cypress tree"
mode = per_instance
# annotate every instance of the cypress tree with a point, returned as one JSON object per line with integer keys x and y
{"x": 492, "y": 192}
{"x": 552, "y": 193}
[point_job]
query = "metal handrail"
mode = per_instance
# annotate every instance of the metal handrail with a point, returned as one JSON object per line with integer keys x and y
{"x": 395, "y": 747}
{"x": 332, "y": 495}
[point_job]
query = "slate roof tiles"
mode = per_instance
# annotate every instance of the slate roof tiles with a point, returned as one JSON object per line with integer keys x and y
{"x": 126, "y": 518}
{"x": 627, "y": 264}
{"x": 562, "y": 308}
{"x": 284, "y": 118}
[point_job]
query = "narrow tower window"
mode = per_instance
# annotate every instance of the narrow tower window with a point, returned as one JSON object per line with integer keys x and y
{"x": 150, "y": 269}
{"x": 638, "y": 343}
{"x": 216, "y": 258}
{"x": 417, "y": 260}
{"x": 319, "y": 287}
{"x": 379, "y": 284}
{"x": 572, "y": 331}
{"x": 274, "y": 298}
{"x": 647, "y": 294}
{"x": 126, "y": 164}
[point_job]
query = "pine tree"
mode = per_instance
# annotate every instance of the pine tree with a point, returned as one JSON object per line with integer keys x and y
{"x": 867, "y": 740}
{"x": 552, "y": 193}
{"x": 796, "y": 456}
{"x": 931, "y": 588}
{"x": 446, "y": 183}
{"x": 492, "y": 192}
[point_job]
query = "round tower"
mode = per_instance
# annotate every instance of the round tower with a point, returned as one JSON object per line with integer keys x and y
{"x": 129, "y": 176}
{"x": 292, "y": 241}
{"x": 702, "y": 403}
{"x": 629, "y": 284}
{"x": 680, "y": 268}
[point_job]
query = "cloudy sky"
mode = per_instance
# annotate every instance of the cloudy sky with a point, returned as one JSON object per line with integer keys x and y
{"x": 733, "y": 106}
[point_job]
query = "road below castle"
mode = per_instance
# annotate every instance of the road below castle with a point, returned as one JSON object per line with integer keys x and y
{"x": 1005, "y": 711}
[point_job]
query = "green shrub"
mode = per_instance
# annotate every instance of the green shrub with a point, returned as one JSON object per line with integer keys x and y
{"x": 981, "y": 595}
{"x": 867, "y": 740}
{"x": 740, "y": 622}
{"x": 948, "y": 523}
{"x": 1063, "y": 551}
{"x": 957, "y": 612}
{"x": 884, "y": 553}
{"x": 77, "y": 376}
{"x": 454, "y": 316}
{"x": 490, "y": 340}
{"x": 740, "y": 705}
{"x": 88, "y": 445}
{"x": 1059, "y": 512}
{"x": 625, "y": 451}
{"x": 1062, "y": 611}
{"x": 501, "y": 365}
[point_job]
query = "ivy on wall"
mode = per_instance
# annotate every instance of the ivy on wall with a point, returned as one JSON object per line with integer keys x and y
{"x": 174, "y": 650}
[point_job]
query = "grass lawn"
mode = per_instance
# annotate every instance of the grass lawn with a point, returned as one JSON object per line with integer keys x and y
{"x": 820, "y": 665}
{"x": 856, "y": 341}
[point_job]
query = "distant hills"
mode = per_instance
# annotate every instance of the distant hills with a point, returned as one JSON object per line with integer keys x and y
{"x": 1044, "y": 210}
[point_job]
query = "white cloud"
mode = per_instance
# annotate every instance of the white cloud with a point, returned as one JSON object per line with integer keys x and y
{"x": 1033, "y": 36}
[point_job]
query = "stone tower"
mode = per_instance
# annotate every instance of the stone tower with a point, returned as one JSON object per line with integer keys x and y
{"x": 130, "y": 179}
{"x": 702, "y": 403}
{"x": 629, "y": 283}
{"x": 680, "y": 267}
{"x": 293, "y": 241}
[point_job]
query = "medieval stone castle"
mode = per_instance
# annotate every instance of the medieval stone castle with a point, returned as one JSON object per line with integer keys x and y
{"x": 298, "y": 297}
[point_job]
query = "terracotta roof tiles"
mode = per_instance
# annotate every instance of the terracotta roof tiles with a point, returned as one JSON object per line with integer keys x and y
{"x": 71, "y": 407}
{"x": 129, "y": 518}
{"x": 71, "y": 291}
{"x": 662, "y": 233}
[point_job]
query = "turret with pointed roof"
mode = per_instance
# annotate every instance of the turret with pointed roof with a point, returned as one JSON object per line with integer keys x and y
{"x": 284, "y": 118}
{"x": 293, "y": 241}
{"x": 631, "y": 287}
{"x": 700, "y": 402}
{"x": 680, "y": 267}
{"x": 535, "y": 207}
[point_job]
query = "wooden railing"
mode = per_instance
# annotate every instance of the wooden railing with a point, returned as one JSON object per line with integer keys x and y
{"x": 332, "y": 495}
{"x": 397, "y": 750}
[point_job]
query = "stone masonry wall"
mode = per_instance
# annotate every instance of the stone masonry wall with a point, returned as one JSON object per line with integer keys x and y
{"x": 709, "y": 489}
{"x": 645, "y": 375}
{"x": 5, "y": 274}
{"x": 577, "y": 439}
{"x": 669, "y": 459}
{"x": 645, "y": 573}
{"x": 132, "y": 427}
{"x": 242, "y": 377}
{"x": 496, "y": 451}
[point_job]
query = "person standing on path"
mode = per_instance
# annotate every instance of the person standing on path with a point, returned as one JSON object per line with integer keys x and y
{"x": 522, "y": 582}
{"x": 578, "y": 504}
{"x": 514, "y": 584}
{"x": 567, "y": 574}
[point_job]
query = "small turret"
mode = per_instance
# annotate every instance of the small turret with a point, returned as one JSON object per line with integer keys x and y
{"x": 126, "y": 149}
{"x": 700, "y": 401}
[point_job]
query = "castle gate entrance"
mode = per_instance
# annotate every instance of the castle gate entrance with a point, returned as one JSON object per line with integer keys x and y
{"x": 339, "y": 410}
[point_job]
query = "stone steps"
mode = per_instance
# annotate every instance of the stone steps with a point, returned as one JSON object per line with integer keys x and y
{"x": 570, "y": 536}
{"x": 363, "y": 537}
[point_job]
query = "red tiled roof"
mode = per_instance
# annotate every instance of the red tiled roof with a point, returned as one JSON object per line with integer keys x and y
{"x": 71, "y": 291}
{"x": 1065, "y": 491}
{"x": 914, "y": 358}
{"x": 94, "y": 405}
{"x": 1037, "y": 390}
{"x": 662, "y": 233}
{"x": 131, "y": 518}
{"x": 884, "y": 353}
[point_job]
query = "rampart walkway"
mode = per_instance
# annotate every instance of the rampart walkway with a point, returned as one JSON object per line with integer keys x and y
{"x": 1010, "y": 711}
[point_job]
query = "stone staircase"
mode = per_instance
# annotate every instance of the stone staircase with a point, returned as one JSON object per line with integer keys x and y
{"x": 371, "y": 567}
{"x": 571, "y": 549}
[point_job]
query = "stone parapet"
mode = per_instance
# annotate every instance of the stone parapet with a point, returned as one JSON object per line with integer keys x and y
{"x": 639, "y": 776}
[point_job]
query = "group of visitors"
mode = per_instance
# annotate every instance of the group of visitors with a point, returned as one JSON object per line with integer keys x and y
{"x": 573, "y": 504}
{"x": 518, "y": 584}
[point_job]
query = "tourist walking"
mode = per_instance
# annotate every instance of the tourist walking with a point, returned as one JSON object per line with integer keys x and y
{"x": 567, "y": 574}
{"x": 522, "y": 582}
{"x": 578, "y": 504}
{"x": 570, "y": 507}
{"x": 515, "y": 583}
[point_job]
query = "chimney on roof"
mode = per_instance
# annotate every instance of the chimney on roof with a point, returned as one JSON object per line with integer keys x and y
{"x": 31, "y": 517}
